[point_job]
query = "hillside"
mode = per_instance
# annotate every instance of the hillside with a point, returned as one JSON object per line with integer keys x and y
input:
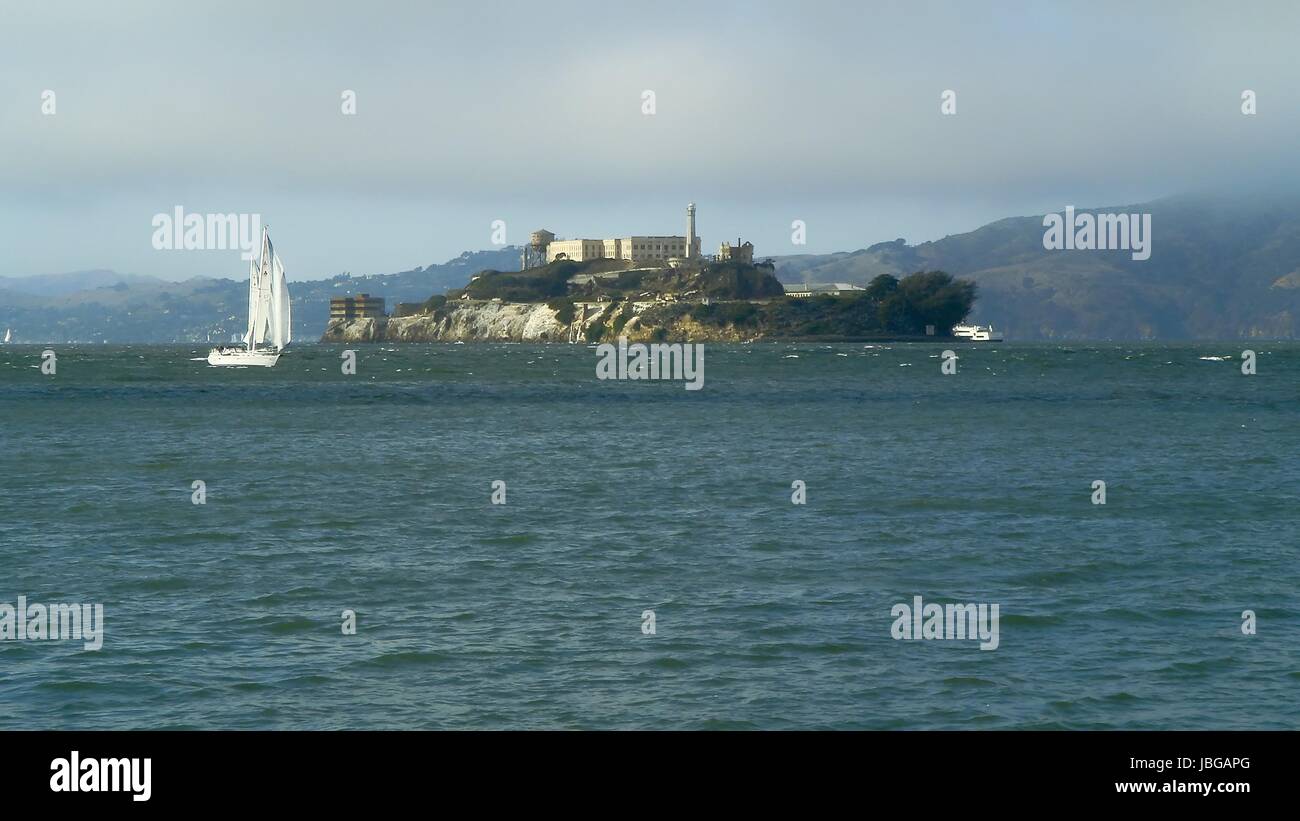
{"x": 1220, "y": 268}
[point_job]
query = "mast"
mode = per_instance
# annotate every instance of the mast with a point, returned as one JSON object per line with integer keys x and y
{"x": 249, "y": 337}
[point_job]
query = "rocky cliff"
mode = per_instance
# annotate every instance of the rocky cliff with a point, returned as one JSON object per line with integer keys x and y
{"x": 491, "y": 321}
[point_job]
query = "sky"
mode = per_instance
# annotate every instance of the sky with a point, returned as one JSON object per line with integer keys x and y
{"x": 533, "y": 114}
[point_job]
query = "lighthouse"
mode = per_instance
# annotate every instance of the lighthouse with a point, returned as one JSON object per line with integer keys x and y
{"x": 690, "y": 230}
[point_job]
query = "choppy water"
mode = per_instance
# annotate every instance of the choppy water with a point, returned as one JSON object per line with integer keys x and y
{"x": 372, "y": 492}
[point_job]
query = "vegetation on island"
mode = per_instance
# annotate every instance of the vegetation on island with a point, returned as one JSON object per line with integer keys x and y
{"x": 888, "y": 307}
{"x": 614, "y": 278}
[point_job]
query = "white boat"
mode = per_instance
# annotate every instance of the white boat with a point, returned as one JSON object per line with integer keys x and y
{"x": 269, "y": 315}
{"x": 977, "y": 333}
{"x": 8, "y": 336}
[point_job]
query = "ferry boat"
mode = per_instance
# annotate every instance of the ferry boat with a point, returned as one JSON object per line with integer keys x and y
{"x": 977, "y": 333}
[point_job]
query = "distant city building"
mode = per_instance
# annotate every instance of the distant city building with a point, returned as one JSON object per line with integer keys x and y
{"x": 832, "y": 289}
{"x": 651, "y": 249}
{"x": 361, "y": 306}
{"x": 736, "y": 253}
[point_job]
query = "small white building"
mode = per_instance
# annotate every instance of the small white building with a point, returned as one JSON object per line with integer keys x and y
{"x": 740, "y": 252}
{"x": 831, "y": 289}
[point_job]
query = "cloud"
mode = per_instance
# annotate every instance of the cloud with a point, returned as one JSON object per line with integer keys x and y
{"x": 759, "y": 104}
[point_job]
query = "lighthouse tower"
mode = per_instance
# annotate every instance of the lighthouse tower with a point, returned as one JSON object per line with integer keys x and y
{"x": 690, "y": 230}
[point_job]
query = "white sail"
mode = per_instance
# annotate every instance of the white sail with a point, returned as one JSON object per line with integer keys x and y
{"x": 276, "y": 329}
{"x": 7, "y": 336}
{"x": 281, "y": 330}
{"x": 268, "y": 313}
{"x": 288, "y": 312}
{"x": 260, "y": 318}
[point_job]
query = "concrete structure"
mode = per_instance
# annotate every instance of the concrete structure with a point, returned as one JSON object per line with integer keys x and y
{"x": 691, "y": 243}
{"x": 534, "y": 254}
{"x": 360, "y": 306}
{"x": 736, "y": 253}
{"x": 833, "y": 289}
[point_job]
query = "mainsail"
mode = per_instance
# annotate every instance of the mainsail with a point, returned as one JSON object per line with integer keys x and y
{"x": 280, "y": 331}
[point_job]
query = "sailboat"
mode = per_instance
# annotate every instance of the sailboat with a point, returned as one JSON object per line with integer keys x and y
{"x": 268, "y": 314}
{"x": 8, "y": 336}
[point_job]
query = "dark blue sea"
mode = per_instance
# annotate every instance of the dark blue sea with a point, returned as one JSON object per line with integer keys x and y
{"x": 373, "y": 493}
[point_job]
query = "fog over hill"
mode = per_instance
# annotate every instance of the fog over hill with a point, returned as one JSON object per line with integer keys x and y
{"x": 1220, "y": 268}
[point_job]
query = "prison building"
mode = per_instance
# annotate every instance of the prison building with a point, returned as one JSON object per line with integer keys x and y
{"x": 636, "y": 249}
{"x": 578, "y": 250}
{"x": 649, "y": 249}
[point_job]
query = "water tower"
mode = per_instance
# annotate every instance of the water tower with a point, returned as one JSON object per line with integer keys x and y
{"x": 534, "y": 255}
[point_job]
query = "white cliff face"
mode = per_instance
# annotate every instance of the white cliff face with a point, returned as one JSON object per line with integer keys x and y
{"x": 356, "y": 330}
{"x": 473, "y": 322}
{"x": 490, "y": 321}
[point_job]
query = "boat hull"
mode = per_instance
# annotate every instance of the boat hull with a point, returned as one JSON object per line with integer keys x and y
{"x": 237, "y": 357}
{"x": 976, "y": 333}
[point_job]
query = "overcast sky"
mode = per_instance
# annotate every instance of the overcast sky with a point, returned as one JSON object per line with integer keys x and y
{"x": 766, "y": 112}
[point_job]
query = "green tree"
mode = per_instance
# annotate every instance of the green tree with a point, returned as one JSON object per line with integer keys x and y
{"x": 935, "y": 298}
{"x": 881, "y": 287}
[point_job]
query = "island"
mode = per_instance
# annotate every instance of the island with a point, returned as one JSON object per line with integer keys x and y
{"x": 601, "y": 300}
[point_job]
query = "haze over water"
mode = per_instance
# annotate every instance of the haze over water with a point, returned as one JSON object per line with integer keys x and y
{"x": 372, "y": 492}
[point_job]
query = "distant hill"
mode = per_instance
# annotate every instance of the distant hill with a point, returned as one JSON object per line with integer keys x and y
{"x": 105, "y": 306}
{"x": 1220, "y": 268}
{"x": 59, "y": 284}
